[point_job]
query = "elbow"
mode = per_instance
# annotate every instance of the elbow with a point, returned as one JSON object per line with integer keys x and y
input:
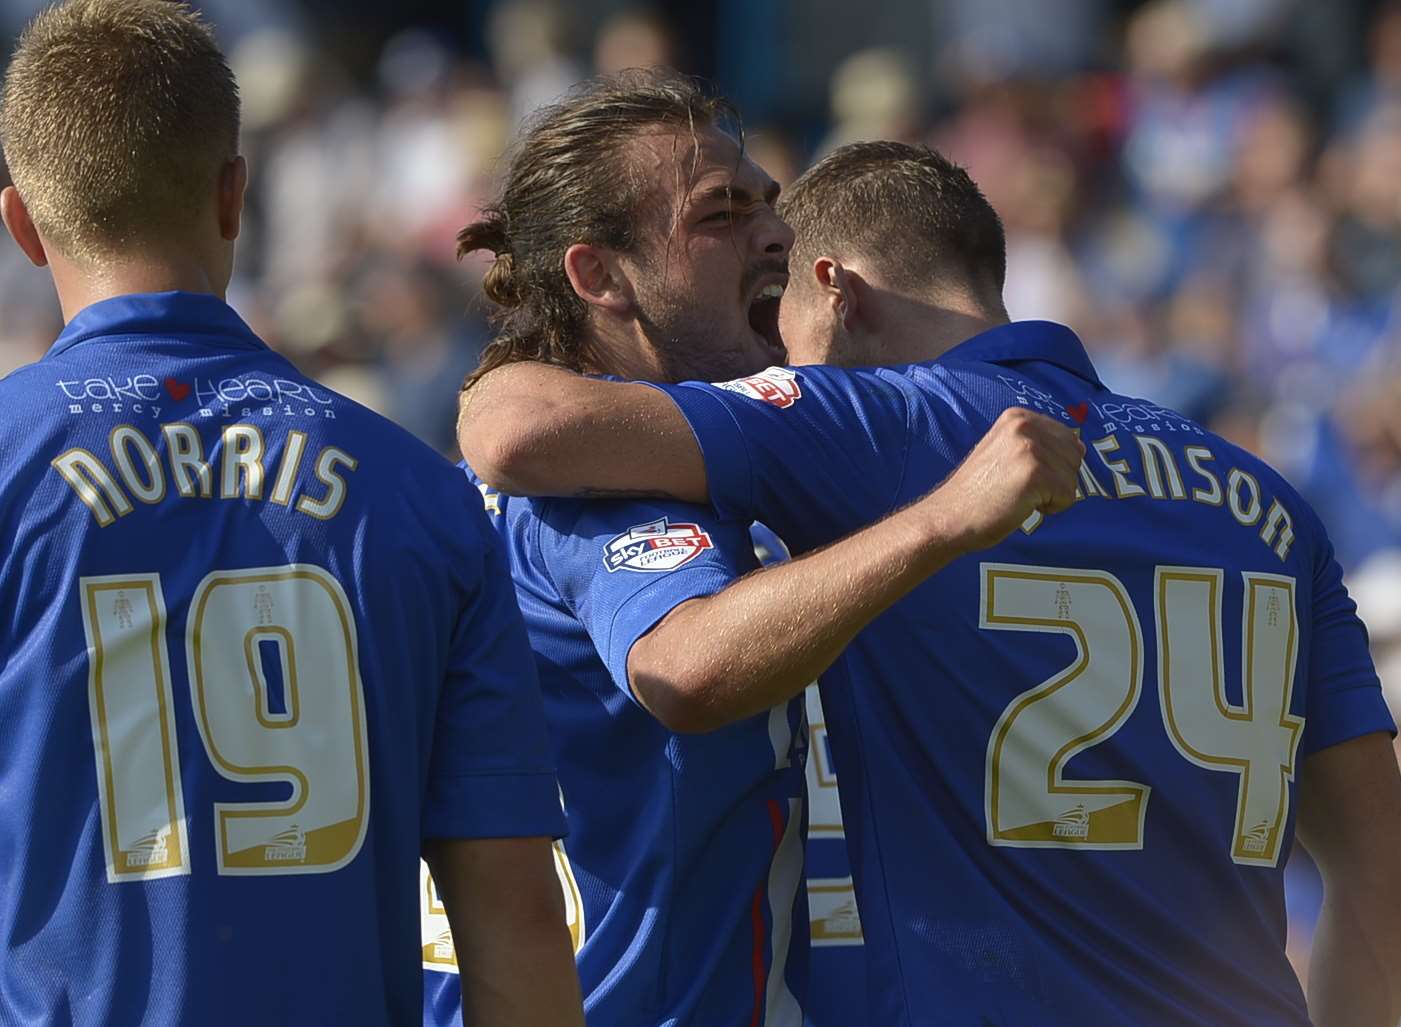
{"x": 501, "y": 448}
{"x": 689, "y": 718}
{"x": 684, "y": 699}
{"x": 678, "y": 708}
{"x": 501, "y": 458}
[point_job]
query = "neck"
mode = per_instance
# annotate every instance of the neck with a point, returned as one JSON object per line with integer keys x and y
{"x": 81, "y": 286}
{"x": 919, "y": 330}
{"x": 620, "y": 353}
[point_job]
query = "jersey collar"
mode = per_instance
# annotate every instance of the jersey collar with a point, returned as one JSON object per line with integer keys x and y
{"x": 1021, "y": 341}
{"x": 159, "y": 313}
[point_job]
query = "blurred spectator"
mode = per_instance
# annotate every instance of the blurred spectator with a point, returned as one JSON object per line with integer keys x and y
{"x": 1380, "y": 86}
{"x": 875, "y": 95}
{"x": 427, "y": 350}
{"x": 29, "y": 316}
{"x": 636, "y": 37}
{"x": 774, "y": 151}
{"x": 990, "y": 40}
{"x": 530, "y": 47}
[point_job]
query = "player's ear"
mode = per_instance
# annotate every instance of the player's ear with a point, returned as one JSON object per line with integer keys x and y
{"x": 598, "y": 278}
{"x": 233, "y": 182}
{"x": 21, "y": 227}
{"x": 838, "y": 286}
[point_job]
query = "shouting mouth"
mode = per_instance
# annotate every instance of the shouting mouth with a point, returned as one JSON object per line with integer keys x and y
{"x": 763, "y": 320}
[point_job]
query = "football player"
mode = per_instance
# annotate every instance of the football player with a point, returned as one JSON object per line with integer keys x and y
{"x": 259, "y": 646}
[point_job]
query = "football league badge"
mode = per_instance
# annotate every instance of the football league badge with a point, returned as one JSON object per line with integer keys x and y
{"x": 658, "y": 546}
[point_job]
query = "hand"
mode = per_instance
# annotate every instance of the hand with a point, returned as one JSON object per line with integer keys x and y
{"x": 1026, "y": 463}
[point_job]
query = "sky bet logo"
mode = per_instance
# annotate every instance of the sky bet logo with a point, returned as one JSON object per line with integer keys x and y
{"x": 776, "y": 386}
{"x": 240, "y": 397}
{"x": 657, "y": 547}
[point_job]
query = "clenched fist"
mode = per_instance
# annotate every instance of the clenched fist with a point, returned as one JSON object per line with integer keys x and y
{"x": 1025, "y": 463}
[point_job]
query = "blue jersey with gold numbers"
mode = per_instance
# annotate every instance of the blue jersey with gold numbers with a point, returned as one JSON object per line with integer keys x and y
{"x": 683, "y": 866}
{"x": 259, "y": 644}
{"x": 1069, "y": 763}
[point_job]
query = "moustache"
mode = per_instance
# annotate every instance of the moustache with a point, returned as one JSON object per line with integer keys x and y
{"x": 758, "y": 270}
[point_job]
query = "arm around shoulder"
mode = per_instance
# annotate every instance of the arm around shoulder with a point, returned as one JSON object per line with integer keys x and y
{"x": 772, "y": 631}
{"x": 535, "y": 429}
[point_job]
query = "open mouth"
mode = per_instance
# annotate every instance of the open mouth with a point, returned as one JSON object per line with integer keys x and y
{"x": 763, "y": 319}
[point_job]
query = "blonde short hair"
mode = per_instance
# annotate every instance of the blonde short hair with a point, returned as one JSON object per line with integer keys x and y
{"x": 116, "y": 117}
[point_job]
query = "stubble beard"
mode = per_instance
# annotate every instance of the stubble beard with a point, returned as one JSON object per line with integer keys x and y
{"x": 688, "y": 345}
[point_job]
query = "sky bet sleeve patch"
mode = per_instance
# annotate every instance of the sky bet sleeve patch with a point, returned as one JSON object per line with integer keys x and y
{"x": 657, "y": 546}
{"x": 777, "y": 385}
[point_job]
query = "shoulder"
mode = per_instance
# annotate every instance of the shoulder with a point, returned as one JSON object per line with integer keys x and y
{"x": 647, "y": 536}
{"x": 969, "y": 389}
{"x": 1250, "y": 474}
{"x": 32, "y": 386}
{"x": 803, "y": 386}
{"x": 950, "y": 404}
{"x": 401, "y": 457}
{"x": 374, "y": 426}
{"x": 53, "y": 407}
{"x": 514, "y": 518}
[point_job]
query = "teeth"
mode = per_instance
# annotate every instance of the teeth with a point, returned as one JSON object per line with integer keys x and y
{"x": 771, "y": 292}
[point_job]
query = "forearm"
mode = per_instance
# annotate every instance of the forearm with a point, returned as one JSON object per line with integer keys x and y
{"x": 506, "y": 911}
{"x": 1355, "y": 970}
{"x": 526, "y": 979}
{"x": 1350, "y": 821}
{"x": 534, "y": 429}
{"x": 764, "y": 638}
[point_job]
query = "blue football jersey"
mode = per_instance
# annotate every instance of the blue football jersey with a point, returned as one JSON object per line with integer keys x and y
{"x": 1069, "y": 762}
{"x": 684, "y": 855}
{"x": 258, "y": 644}
{"x": 836, "y": 964}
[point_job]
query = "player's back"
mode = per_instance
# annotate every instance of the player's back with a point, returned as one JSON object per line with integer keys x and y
{"x": 1069, "y": 762}
{"x": 230, "y": 605}
{"x": 1104, "y": 802}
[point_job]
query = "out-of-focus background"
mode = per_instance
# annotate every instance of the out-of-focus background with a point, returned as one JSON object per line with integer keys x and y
{"x": 1209, "y": 191}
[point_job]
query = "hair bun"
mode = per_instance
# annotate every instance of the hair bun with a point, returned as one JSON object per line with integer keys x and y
{"x": 500, "y": 283}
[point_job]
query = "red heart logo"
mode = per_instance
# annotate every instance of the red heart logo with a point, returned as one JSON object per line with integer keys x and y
{"x": 1078, "y": 412}
{"x": 178, "y": 390}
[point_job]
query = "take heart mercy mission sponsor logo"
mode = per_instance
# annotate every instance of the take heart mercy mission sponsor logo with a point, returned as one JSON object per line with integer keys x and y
{"x": 657, "y": 546}
{"x": 242, "y": 396}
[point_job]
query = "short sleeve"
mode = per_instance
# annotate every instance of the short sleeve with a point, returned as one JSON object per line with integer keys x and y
{"x": 492, "y": 770}
{"x": 1345, "y": 697}
{"x": 620, "y": 567}
{"x": 814, "y": 452}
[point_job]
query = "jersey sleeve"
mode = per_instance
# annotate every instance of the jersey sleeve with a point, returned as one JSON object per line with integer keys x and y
{"x": 1345, "y": 697}
{"x": 620, "y": 567}
{"x": 814, "y": 452}
{"x": 491, "y": 774}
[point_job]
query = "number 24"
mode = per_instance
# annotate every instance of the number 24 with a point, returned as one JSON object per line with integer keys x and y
{"x": 1028, "y": 801}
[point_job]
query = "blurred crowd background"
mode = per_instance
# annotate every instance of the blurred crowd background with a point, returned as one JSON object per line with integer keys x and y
{"x": 1209, "y": 191}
